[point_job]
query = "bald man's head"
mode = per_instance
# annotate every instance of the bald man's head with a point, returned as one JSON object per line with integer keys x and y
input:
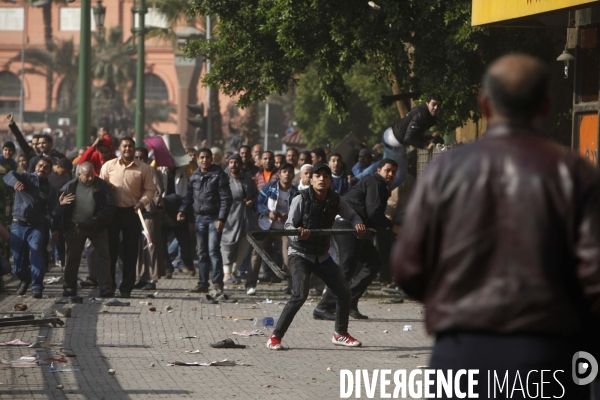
{"x": 516, "y": 86}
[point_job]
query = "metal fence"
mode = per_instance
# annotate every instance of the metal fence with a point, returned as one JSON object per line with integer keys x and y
{"x": 7, "y": 204}
{"x": 424, "y": 157}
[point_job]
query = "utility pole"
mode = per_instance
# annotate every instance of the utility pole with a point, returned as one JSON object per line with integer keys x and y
{"x": 140, "y": 98}
{"x": 84, "y": 102}
{"x": 208, "y": 102}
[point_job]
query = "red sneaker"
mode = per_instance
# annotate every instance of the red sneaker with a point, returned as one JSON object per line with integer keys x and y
{"x": 345, "y": 340}
{"x": 274, "y": 343}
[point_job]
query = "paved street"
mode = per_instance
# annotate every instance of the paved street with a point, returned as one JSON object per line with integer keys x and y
{"x": 139, "y": 344}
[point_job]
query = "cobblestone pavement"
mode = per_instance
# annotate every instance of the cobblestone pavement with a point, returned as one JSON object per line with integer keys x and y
{"x": 139, "y": 344}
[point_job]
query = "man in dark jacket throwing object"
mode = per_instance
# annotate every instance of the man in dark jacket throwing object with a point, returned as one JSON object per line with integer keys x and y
{"x": 369, "y": 199}
{"x": 207, "y": 202}
{"x": 316, "y": 208}
{"x": 86, "y": 209}
{"x": 409, "y": 131}
{"x": 35, "y": 202}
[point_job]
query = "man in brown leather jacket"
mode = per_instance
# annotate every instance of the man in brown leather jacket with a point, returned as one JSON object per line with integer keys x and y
{"x": 502, "y": 244}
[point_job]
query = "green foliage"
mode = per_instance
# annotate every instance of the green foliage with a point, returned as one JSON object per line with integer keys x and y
{"x": 261, "y": 46}
{"x": 112, "y": 60}
{"x": 365, "y": 118}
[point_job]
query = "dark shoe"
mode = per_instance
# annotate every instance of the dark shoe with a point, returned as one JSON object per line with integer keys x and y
{"x": 37, "y": 293}
{"x": 323, "y": 314}
{"x": 89, "y": 282}
{"x": 169, "y": 275}
{"x": 139, "y": 285}
{"x": 357, "y": 315}
{"x": 264, "y": 279}
{"x": 227, "y": 344}
{"x": 149, "y": 286}
{"x": 22, "y": 288}
{"x": 107, "y": 294}
{"x": 199, "y": 289}
{"x": 125, "y": 295}
{"x": 69, "y": 293}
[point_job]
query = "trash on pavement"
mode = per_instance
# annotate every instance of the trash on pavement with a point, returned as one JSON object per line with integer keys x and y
{"x": 407, "y": 328}
{"x": 265, "y": 301}
{"x": 152, "y": 309}
{"x": 112, "y": 371}
{"x": 42, "y": 343}
{"x": 167, "y": 308}
{"x": 53, "y": 280}
{"x": 65, "y": 312}
{"x": 192, "y": 351}
{"x": 15, "y": 342}
{"x": 117, "y": 303}
{"x": 222, "y": 363}
{"x": 255, "y": 332}
{"x": 59, "y": 386}
{"x": 227, "y": 344}
{"x": 20, "y": 307}
{"x": 70, "y": 300}
{"x": 48, "y": 312}
{"x": 266, "y": 321}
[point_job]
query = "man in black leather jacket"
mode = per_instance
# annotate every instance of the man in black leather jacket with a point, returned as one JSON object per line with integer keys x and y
{"x": 502, "y": 244}
{"x": 409, "y": 131}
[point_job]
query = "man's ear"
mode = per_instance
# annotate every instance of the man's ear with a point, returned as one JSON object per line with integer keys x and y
{"x": 484, "y": 105}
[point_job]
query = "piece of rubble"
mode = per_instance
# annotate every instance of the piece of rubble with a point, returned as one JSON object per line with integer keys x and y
{"x": 112, "y": 371}
{"x": 65, "y": 312}
{"x": 20, "y": 307}
{"x": 167, "y": 308}
{"x": 152, "y": 309}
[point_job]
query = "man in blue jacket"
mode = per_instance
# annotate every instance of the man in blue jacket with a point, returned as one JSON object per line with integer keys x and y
{"x": 207, "y": 202}
{"x": 273, "y": 205}
{"x": 35, "y": 202}
{"x": 85, "y": 212}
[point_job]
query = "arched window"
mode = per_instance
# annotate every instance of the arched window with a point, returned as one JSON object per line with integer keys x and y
{"x": 155, "y": 88}
{"x": 10, "y": 92}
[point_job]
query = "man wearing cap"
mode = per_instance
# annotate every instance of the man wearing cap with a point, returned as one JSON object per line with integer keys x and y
{"x": 273, "y": 207}
{"x": 316, "y": 208}
{"x": 234, "y": 245}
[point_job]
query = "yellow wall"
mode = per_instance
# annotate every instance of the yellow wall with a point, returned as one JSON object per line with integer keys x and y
{"x": 488, "y": 11}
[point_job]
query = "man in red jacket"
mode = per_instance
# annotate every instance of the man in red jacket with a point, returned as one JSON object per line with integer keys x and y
{"x": 502, "y": 244}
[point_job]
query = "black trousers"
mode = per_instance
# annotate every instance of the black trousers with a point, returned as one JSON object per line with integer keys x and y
{"x": 353, "y": 253}
{"x": 124, "y": 221}
{"x": 497, "y": 356}
{"x": 301, "y": 270}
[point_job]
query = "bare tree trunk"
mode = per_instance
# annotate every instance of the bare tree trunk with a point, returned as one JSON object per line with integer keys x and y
{"x": 217, "y": 120}
{"x": 249, "y": 130}
{"x": 403, "y": 108}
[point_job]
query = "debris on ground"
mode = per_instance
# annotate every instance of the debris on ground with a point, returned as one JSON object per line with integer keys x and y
{"x": 265, "y": 301}
{"x": 167, "y": 308}
{"x": 20, "y": 307}
{"x": 152, "y": 309}
{"x": 152, "y": 365}
{"x": 227, "y": 344}
{"x": 117, "y": 303}
{"x": 53, "y": 280}
{"x": 59, "y": 386}
{"x": 385, "y": 331}
{"x": 192, "y": 351}
{"x": 15, "y": 342}
{"x": 407, "y": 328}
{"x": 255, "y": 332}
{"x": 396, "y": 300}
{"x": 65, "y": 312}
{"x": 112, "y": 371}
{"x": 42, "y": 343}
{"x": 48, "y": 312}
{"x": 70, "y": 300}
{"x": 146, "y": 303}
{"x": 67, "y": 353}
{"x": 222, "y": 363}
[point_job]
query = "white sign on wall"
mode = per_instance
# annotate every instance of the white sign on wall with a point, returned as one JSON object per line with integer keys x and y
{"x": 70, "y": 19}
{"x": 153, "y": 18}
{"x": 12, "y": 19}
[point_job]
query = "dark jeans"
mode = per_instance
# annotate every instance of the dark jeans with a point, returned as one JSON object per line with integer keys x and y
{"x": 354, "y": 253}
{"x": 209, "y": 252}
{"x": 510, "y": 353}
{"x": 28, "y": 243}
{"x": 329, "y": 272}
{"x": 75, "y": 240}
{"x": 385, "y": 240}
{"x": 183, "y": 239}
{"x": 125, "y": 221}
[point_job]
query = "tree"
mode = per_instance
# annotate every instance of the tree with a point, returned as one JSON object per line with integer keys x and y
{"x": 428, "y": 46}
{"x": 112, "y": 60}
{"x": 60, "y": 61}
{"x": 249, "y": 130}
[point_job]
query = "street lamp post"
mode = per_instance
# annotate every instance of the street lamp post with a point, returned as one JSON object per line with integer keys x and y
{"x": 140, "y": 68}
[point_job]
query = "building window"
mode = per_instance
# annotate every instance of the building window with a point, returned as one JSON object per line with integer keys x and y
{"x": 155, "y": 88}
{"x": 10, "y": 92}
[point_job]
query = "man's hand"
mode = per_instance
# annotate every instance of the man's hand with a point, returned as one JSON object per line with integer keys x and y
{"x": 273, "y": 215}
{"x": 180, "y": 217}
{"x": 97, "y": 141}
{"x": 249, "y": 203}
{"x": 139, "y": 206}
{"x": 19, "y": 186}
{"x": 361, "y": 229}
{"x": 304, "y": 234}
{"x": 429, "y": 146}
{"x": 160, "y": 203}
{"x": 10, "y": 118}
{"x": 55, "y": 236}
{"x": 282, "y": 217}
{"x": 220, "y": 226}
{"x": 66, "y": 198}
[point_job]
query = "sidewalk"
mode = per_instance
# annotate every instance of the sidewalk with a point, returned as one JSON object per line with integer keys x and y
{"x": 139, "y": 344}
